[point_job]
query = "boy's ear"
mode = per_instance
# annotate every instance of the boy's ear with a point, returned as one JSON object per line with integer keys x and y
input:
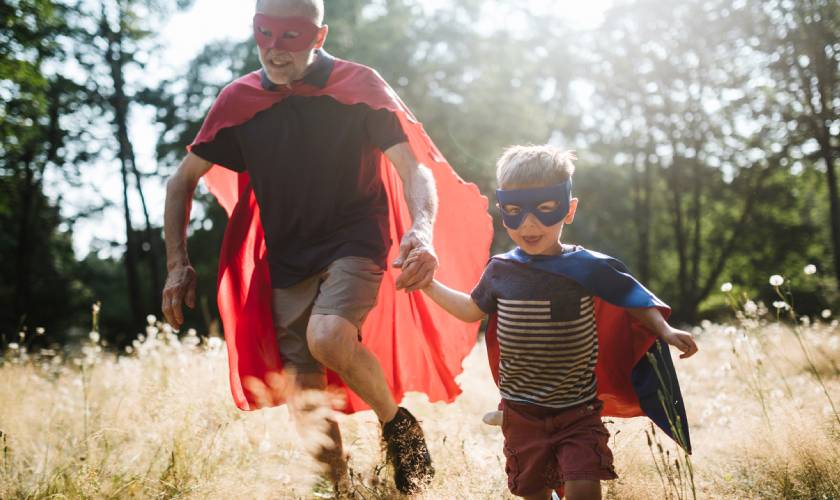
{"x": 570, "y": 217}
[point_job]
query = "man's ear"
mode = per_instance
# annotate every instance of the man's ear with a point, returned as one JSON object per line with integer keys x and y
{"x": 570, "y": 217}
{"x": 321, "y": 36}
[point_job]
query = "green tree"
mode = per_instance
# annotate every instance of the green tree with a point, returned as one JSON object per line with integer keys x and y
{"x": 37, "y": 258}
{"x": 672, "y": 115}
{"x": 800, "y": 43}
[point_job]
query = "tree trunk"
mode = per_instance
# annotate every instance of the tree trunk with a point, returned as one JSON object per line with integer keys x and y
{"x": 22, "y": 265}
{"x": 642, "y": 205}
{"x": 834, "y": 206}
{"x": 113, "y": 56}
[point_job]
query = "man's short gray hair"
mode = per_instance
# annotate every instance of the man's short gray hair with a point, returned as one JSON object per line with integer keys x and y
{"x": 312, "y": 9}
{"x": 531, "y": 166}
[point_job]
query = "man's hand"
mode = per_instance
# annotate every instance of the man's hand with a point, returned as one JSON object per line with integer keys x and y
{"x": 179, "y": 289}
{"x": 417, "y": 260}
{"x": 682, "y": 340}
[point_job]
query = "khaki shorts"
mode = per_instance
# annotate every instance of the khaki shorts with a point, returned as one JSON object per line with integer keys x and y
{"x": 347, "y": 288}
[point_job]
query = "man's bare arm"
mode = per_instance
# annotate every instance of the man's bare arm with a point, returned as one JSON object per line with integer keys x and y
{"x": 181, "y": 277}
{"x": 421, "y": 197}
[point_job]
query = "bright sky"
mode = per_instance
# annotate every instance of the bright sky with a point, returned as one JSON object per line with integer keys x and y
{"x": 183, "y": 36}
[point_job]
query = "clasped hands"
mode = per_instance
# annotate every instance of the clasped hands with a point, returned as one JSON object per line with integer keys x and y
{"x": 417, "y": 260}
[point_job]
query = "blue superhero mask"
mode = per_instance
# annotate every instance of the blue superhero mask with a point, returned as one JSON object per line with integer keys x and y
{"x": 528, "y": 201}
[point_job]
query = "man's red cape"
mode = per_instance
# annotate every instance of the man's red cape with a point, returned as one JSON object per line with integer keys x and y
{"x": 419, "y": 345}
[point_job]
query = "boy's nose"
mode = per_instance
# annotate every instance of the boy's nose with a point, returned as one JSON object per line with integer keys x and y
{"x": 530, "y": 219}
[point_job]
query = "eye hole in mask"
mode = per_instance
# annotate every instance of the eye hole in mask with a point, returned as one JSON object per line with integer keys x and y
{"x": 550, "y": 205}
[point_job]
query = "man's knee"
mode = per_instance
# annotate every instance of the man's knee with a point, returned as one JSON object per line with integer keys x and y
{"x": 332, "y": 341}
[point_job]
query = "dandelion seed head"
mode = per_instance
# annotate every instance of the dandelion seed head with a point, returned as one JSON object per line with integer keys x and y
{"x": 781, "y": 304}
{"x": 40, "y": 330}
{"x": 726, "y": 287}
{"x": 94, "y": 336}
{"x": 14, "y": 346}
{"x": 95, "y": 308}
{"x": 750, "y": 307}
{"x": 826, "y": 313}
{"x": 151, "y": 319}
{"x": 776, "y": 280}
{"x": 706, "y": 324}
{"x": 810, "y": 269}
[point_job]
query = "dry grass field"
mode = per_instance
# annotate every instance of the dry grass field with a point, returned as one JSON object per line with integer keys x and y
{"x": 158, "y": 422}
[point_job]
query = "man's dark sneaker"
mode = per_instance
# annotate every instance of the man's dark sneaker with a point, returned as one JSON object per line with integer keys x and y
{"x": 406, "y": 450}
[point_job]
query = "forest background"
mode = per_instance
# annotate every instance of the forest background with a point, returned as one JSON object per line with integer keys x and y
{"x": 708, "y": 133}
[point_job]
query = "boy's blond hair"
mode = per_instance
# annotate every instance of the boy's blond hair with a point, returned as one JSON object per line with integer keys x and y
{"x": 531, "y": 166}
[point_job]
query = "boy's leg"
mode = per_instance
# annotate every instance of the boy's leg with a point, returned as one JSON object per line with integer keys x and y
{"x": 543, "y": 495}
{"x": 583, "y": 490}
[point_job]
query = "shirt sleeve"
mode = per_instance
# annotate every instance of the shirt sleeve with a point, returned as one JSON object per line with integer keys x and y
{"x": 483, "y": 294}
{"x": 384, "y": 129}
{"x": 223, "y": 150}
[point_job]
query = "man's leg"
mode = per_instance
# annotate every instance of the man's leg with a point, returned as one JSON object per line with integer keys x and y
{"x": 306, "y": 405}
{"x": 306, "y": 402}
{"x": 348, "y": 293}
{"x": 334, "y": 342}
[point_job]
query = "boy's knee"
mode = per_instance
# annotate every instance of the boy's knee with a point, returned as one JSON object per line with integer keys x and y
{"x": 332, "y": 341}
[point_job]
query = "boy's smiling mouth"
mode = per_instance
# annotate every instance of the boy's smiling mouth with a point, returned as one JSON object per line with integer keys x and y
{"x": 532, "y": 240}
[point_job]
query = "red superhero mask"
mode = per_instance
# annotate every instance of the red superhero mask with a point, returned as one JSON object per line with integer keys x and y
{"x": 291, "y": 34}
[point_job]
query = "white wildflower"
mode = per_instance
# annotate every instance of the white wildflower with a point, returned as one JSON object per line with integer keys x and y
{"x": 14, "y": 346}
{"x": 750, "y": 307}
{"x": 810, "y": 269}
{"x": 726, "y": 287}
{"x": 214, "y": 343}
{"x": 776, "y": 280}
{"x": 40, "y": 330}
{"x": 151, "y": 319}
{"x": 706, "y": 324}
{"x": 826, "y": 313}
{"x": 96, "y": 308}
{"x": 94, "y": 336}
{"x": 805, "y": 320}
{"x": 781, "y": 304}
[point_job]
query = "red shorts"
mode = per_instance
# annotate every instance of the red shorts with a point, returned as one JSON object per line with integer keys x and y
{"x": 545, "y": 447}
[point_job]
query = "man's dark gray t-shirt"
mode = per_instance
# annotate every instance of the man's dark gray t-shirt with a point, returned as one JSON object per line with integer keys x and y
{"x": 313, "y": 164}
{"x": 548, "y": 342}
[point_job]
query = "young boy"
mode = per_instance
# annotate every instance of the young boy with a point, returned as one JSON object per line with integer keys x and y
{"x": 545, "y": 326}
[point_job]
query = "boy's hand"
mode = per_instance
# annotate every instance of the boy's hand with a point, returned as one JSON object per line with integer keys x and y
{"x": 682, "y": 340}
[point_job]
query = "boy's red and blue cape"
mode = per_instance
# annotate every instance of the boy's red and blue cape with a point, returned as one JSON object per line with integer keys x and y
{"x": 419, "y": 346}
{"x": 635, "y": 373}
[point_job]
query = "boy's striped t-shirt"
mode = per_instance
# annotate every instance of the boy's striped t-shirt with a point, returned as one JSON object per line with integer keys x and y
{"x": 548, "y": 342}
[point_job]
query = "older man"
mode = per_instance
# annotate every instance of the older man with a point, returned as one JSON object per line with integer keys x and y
{"x": 307, "y": 145}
